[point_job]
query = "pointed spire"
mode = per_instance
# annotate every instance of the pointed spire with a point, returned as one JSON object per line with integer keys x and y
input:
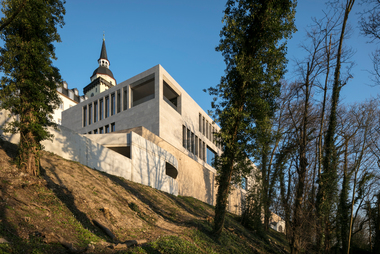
{"x": 103, "y": 52}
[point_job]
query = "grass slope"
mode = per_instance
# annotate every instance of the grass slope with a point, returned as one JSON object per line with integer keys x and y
{"x": 55, "y": 213}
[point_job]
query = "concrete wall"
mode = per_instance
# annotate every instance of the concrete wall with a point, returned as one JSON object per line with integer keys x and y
{"x": 195, "y": 177}
{"x": 145, "y": 114}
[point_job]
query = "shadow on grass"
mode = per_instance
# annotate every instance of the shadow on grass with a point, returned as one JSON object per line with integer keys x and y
{"x": 67, "y": 198}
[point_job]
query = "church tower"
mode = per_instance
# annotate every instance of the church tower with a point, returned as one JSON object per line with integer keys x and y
{"x": 102, "y": 78}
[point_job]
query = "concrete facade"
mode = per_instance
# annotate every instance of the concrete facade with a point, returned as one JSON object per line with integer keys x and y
{"x": 153, "y": 105}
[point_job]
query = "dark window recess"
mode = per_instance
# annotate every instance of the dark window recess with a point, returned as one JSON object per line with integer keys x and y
{"x": 107, "y": 128}
{"x": 142, "y": 93}
{"x": 101, "y": 130}
{"x": 90, "y": 114}
{"x": 171, "y": 170}
{"x": 113, "y": 104}
{"x": 95, "y": 111}
{"x": 84, "y": 116}
{"x": 101, "y": 107}
{"x": 107, "y": 110}
{"x": 113, "y": 127}
{"x": 170, "y": 96}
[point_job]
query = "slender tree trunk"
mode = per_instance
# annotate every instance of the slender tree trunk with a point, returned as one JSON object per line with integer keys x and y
{"x": 328, "y": 179}
{"x": 298, "y": 215}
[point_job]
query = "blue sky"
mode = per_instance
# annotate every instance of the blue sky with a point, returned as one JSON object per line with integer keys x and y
{"x": 179, "y": 35}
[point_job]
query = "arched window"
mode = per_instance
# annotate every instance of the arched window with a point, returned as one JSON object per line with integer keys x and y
{"x": 280, "y": 228}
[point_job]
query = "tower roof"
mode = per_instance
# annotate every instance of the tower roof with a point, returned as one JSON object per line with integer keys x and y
{"x": 103, "y": 52}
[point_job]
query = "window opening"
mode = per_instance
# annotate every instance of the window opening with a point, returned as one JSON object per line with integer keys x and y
{"x": 90, "y": 114}
{"x": 118, "y": 101}
{"x": 95, "y": 111}
{"x": 107, "y": 107}
{"x": 170, "y": 96}
{"x": 184, "y": 142}
{"x": 107, "y": 128}
{"x": 113, "y": 127}
{"x": 84, "y": 116}
{"x": 142, "y": 93}
{"x": 101, "y": 130}
{"x": 171, "y": 170}
{"x": 113, "y": 104}
{"x": 101, "y": 109}
{"x": 211, "y": 156}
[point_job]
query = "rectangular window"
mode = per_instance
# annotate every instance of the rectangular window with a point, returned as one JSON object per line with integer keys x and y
{"x": 196, "y": 146}
{"x": 107, "y": 107}
{"x": 206, "y": 129}
{"x": 118, "y": 101}
{"x": 192, "y": 143}
{"x": 200, "y": 150}
{"x": 89, "y": 114}
{"x": 143, "y": 92}
{"x": 61, "y": 106}
{"x": 96, "y": 131}
{"x": 188, "y": 140}
{"x": 204, "y": 151}
{"x": 125, "y": 98}
{"x": 113, "y": 104}
{"x": 89, "y": 132}
{"x": 200, "y": 123}
{"x": 84, "y": 116}
{"x": 107, "y": 128}
{"x": 101, "y": 130}
{"x": 184, "y": 142}
{"x": 203, "y": 126}
{"x": 210, "y": 156}
{"x": 170, "y": 96}
{"x": 113, "y": 127}
{"x": 95, "y": 111}
{"x": 59, "y": 121}
{"x": 101, "y": 107}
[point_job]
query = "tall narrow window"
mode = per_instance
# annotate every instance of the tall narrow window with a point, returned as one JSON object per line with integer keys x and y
{"x": 107, "y": 107}
{"x": 96, "y": 131}
{"x": 203, "y": 126}
{"x": 206, "y": 129}
{"x": 107, "y": 128}
{"x": 101, "y": 107}
{"x": 204, "y": 151}
{"x": 184, "y": 142}
{"x": 113, "y": 127}
{"x": 200, "y": 123}
{"x": 89, "y": 114}
{"x": 84, "y": 116}
{"x": 196, "y": 146}
{"x": 125, "y": 98}
{"x": 192, "y": 143}
{"x": 113, "y": 104}
{"x": 95, "y": 111}
{"x": 118, "y": 101}
{"x": 188, "y": 140}
{"x": 101, "y": 130}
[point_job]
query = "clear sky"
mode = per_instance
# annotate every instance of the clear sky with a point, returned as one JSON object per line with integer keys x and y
{"x": 179, "y": 35}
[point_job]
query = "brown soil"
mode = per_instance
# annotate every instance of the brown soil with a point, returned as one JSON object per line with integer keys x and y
{"x": 61, "y": 206}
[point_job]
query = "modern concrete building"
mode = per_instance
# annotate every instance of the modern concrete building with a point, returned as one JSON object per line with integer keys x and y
{"x": 153, "y": 105}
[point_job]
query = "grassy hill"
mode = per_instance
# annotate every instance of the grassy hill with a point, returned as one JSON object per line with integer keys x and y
{"x": 65, "y": 209}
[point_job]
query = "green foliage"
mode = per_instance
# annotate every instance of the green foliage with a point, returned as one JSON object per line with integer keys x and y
{"x": 252, "y": 43}
{"x": 29, "y": 82}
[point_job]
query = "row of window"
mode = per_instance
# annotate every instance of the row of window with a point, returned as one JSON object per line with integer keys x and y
{"x": 208, "y": 130}
{"x": 105, "y": 129}
{"x": 102, "y": 108}
{"x": 196, "y": 146}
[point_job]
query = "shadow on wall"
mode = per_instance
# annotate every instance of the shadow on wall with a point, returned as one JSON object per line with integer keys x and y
{"x": 149, "y": 161}
{"x": 147, "y": 165}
